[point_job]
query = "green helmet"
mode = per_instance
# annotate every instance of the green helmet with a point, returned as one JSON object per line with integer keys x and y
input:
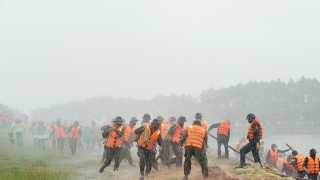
{"x": 160, "y": 118}
{"x": 134, "y": 119}
{"x": 251, "y": 116}
{"x": 156, "y": 121}
{"x": 196, "y": 122}
{"x": 182, "y": 118}
{"x": 146, "y": 116}
{"x": 118, "y": 119}
{"x": 198, "y": 115}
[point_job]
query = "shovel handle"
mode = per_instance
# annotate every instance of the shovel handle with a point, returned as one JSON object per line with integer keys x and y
{"x": 289, "y": 146}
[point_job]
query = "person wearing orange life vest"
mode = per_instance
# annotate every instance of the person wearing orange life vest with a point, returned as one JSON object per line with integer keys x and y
{"x": 74, "y": 131}
{"x": 177, "y": 132}
{"x": 297, "y": 163}
{"x": 164, "y": 155}
{"x": 254, "y": 136}
{"x": 58, "y": 130}
{"x": 199, "y": 116}
{"x": 149, "y": 135}
{"x": 127, "y": 140}
{"x": 223, "y": 136}
{"x": 194, "y": 141}
{"x": 238, "y": 146}
{"x": 272, "y": 155}
{"x": 311, "y": 165}
{"x": 146, "y": 119}
{"x": 113, "y": 135}
{"x": 280, "y": 162}
{"x": 287, "y": 166}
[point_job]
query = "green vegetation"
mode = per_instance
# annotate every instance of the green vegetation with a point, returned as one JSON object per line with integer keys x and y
{"x": 291, "y": 102}
{"x": 30, "y": 163}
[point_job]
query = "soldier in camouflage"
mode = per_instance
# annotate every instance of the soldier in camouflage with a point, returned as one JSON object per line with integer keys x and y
{"x": 254, "y": 136}
{"x": 175, "y": 143}
{"x": 195, "y": 140}
{"x": 113, "y": 135}
{"x": 146, "y": 149}
{"x": 127, "y": 140}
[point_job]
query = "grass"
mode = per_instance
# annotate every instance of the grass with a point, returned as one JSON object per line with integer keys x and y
{"x": 29, "y": 162}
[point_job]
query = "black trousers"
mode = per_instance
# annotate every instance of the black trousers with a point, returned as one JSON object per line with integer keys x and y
{"x": 222, "y": 139}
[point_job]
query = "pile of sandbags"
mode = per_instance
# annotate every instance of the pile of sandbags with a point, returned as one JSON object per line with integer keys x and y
{"x": 256, "y": 172}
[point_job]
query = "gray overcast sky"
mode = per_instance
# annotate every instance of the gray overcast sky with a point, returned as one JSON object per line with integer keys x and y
{"x": 57, "y": 51}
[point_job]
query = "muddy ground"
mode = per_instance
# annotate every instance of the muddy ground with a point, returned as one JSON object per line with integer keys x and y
{"x": 87, "y": 164}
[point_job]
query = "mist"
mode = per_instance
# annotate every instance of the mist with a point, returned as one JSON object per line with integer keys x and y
{"x": 56, "y": 52}
{"x": 92, "y": 61}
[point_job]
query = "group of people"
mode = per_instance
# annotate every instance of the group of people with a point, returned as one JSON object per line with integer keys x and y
{"x": 294, "y": 165}
{"x": 193, "y": 142}
{"x": 153, "y": 136}
{"x": 74, "y": 134}
{"x": 71, "y": 135}
{"x": 170, "y": 136}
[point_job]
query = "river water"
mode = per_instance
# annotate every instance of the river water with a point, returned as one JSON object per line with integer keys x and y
{"x": 300, "y": 142}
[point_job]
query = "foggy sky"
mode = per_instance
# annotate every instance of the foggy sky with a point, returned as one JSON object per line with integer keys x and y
{"x": 58, "y": 51}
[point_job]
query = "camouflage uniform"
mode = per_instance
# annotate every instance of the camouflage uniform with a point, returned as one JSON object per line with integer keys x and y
{"x": 199, "y": 154}
{"x": 165, "y": 153}
{"x": 201, "y": 157}
{"x": 175, "y": 148}
{"x": 251, "y": 146}
{"x": 126, "y": 152}
{"x": 112, "y": 153}
{"x": 147, "y": 157}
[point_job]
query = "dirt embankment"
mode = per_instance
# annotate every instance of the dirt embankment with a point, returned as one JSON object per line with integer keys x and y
{"x": 89, "y": 165}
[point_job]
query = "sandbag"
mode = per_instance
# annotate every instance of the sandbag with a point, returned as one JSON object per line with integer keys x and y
{"x": 168, "y": 137}
{"x": 135, "y": 137}
{"x": 244, "y": 171}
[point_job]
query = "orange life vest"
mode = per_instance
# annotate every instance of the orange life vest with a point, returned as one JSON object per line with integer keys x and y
{"x": 195, "y": 136}
{"x": 299, "y": 162}
{"x": 313, "y": 165}
{"x": 59, "y": 131}
{"x": 74, "y": 132}
{"x": 113, "y": 140}
{"x": 280, "y": 162}
{"x": 237, "y": 146}
{"x": 164, "y": 128}
{"x": 244, "y": 143}
{"x": 128, "y": 133}
{"x": 288, "y": 166}
{"x": 273, "y": 156}
{"x": 251, "y": 131}
{"x": 203, "y": 124}
{"x": 224, "y": 127}
{"x": 152, "y": 140}
{"x": 177, "y": 134}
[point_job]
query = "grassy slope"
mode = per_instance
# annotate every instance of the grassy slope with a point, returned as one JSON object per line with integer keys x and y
{"x": 29, "y": 162}
{"x": 32, "y": 163}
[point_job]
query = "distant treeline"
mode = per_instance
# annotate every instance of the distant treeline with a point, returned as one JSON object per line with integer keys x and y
{"x": 271, "y": 102}
{"x": 12, "y": 112}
